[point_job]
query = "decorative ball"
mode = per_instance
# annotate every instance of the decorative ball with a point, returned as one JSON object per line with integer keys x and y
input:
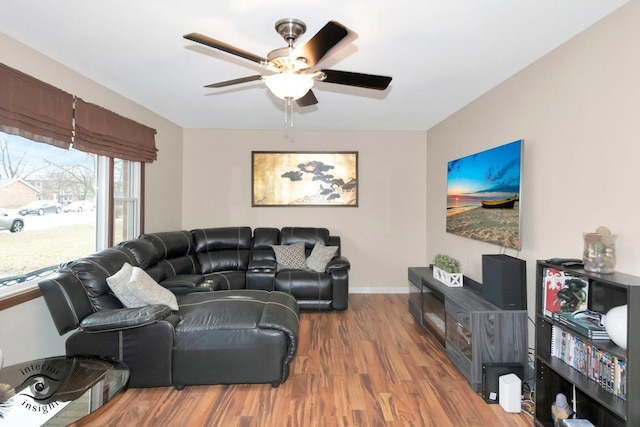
{"x": 604, "y": 231}
{"x": 609, "y": 240}
{"x": 616, "y": 325}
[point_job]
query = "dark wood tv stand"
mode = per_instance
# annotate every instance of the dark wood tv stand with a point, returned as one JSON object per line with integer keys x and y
{"x": 471, "y": 330}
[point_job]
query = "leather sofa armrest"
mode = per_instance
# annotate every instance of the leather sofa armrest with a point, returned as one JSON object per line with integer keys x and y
{"x": 124, "y": 318}
{"x": 262, "y": 265}
{"x": 338, "y": 263}
{"x": 183, "y": 284}
{"x": 261, "y": 275}
{"x": 183, "y": 281}
{"x": 285, "y": 321}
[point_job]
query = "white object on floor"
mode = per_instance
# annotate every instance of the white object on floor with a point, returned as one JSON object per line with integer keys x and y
{"x": 509, "y": 392}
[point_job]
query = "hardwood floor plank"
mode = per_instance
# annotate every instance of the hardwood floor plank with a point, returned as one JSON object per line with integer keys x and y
{"x": 369, "y": 366}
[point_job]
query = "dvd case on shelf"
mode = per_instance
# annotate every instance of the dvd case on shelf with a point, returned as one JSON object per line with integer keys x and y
{"x": 587, "y": 323}
{"x": 608, "y": 371}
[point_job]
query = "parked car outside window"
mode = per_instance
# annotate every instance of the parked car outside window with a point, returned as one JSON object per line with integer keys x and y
{"x": 11, "y": 222}
{"x": 79, "y": 206}
{"x": 40, "y": 207}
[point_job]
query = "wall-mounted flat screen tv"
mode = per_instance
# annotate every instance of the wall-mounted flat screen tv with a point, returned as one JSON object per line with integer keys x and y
{"x": 483, "y": 195}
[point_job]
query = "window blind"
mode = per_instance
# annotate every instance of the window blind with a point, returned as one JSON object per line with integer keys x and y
{"x": 34, "y": 109}
{"x": 103, "y": 132}
{"x": 43, "y": 113}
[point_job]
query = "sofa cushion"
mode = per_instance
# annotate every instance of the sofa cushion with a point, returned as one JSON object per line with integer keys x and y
{"x": 149, "y": 291}
{"x": 143, "y": 251}
{"x": 290, "y": 256}
{"x": 308, "y": 235}
{"x": 187, "y": 264}
{"x": 171, "y": 244}
{"x": 320, "y": 257}
{"x": 118, "y": 284}
{"x": 263, "y": 239}
{"x": 93, "y": 270}
{"x": 223, "y": 248}
{"x": 305, "y": 285}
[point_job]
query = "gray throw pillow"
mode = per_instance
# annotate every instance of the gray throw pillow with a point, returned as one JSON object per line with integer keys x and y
{"x": 118, "y": 285}
{"x": 149, "y": 291}
{"x": 290, "y": 256}
{"x": 320, "y": 257}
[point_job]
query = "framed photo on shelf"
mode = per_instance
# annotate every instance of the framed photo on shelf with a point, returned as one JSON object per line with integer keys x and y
{"x": 301, "y": 178}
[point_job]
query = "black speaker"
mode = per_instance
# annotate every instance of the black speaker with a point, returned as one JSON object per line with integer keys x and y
{"x": 504, "y": 281}
{"x": 491, "y": 373}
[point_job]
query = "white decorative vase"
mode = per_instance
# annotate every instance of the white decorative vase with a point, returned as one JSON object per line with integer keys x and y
{"x": 450, "y": 279}
{"x": 615, "y": 323}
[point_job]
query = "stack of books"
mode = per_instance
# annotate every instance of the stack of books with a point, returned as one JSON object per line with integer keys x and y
{"x": 585, "y": 322}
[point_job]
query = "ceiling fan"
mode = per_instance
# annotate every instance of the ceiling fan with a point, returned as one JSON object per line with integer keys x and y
{"x": 292, "y": 69}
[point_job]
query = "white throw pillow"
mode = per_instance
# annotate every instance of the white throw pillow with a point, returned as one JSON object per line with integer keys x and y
{"x": 118, "y": 285}
{"x": 290, "y": 256}
{"x": 149, "y": 291}
{"x": 320, "y": 257}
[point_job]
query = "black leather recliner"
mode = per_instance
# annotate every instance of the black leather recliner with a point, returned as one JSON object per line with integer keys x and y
{"x": 328, "y": 290}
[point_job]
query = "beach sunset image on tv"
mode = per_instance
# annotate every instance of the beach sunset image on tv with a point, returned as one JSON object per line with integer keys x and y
{"x": 483, "y": 195}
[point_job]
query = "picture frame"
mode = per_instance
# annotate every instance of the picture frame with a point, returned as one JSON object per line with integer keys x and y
{"x": 304, "y": 178}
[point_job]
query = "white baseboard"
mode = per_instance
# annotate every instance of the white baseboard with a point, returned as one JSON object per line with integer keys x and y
{"x": 377, "y": 290}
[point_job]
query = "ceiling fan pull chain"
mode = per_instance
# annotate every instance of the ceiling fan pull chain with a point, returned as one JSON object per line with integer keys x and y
{"x": 288, "y": 111}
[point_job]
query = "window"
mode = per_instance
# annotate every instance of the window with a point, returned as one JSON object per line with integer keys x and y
{"x": 62, "y": 177}
{"x": 61, "y": 198}
{"x": 126, "y": 199}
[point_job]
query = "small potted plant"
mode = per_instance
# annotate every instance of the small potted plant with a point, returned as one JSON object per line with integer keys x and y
{"x": 447, "y": 270}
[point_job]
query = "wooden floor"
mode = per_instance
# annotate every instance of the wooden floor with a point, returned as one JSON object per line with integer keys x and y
{"x": 367, "y": 366}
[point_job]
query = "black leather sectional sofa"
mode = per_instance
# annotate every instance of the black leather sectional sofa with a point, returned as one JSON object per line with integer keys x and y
{"x": 237, "y": 316}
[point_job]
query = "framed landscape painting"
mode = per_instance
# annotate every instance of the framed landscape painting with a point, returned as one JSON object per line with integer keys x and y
{"x": 300, "y": 178}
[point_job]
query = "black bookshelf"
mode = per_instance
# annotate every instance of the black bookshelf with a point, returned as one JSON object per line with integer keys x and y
{"x": 592, "y": 400}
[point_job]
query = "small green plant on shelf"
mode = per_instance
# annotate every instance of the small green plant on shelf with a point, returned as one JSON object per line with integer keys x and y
{"x": 447, "y": 263}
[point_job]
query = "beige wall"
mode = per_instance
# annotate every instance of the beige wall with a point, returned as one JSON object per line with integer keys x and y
{"x": 577, "y": 111}
{"x": 384, "y": 235}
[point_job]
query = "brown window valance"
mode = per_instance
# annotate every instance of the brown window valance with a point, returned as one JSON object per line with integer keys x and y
{"x": 40, "y": 112}
{"x": 34, "y": 109}
{"x": 106, "y": 133}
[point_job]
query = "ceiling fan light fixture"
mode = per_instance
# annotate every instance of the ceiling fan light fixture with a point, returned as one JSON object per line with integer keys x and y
{"x": 289, "y": 85}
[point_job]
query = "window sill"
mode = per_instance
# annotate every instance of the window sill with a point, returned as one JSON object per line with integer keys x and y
{"x": 19, "y": 297}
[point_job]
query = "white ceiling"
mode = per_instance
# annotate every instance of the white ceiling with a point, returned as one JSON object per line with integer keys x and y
{"x": 442, "y": 54}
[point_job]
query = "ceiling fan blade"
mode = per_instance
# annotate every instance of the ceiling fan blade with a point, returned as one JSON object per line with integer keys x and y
{"x": 216, "y": 44}
{"x": 308, "y": 99}
{"x": 369, "y": 81}
{"x": 235, "y": 81}
{"x": 328, "y": 36}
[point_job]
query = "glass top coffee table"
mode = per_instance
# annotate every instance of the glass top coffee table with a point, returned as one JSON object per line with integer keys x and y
{"x": 58, "y": 391}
